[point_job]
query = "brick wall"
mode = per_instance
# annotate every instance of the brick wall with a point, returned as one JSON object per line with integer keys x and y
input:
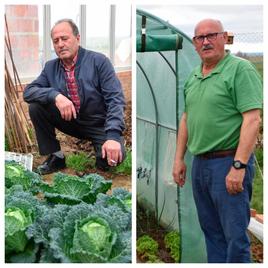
{"x": 22, "y": 21}
{"x": 125, "y": 79}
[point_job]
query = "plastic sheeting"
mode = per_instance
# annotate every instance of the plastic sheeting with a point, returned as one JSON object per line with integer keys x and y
{"x": 160, "y": 79}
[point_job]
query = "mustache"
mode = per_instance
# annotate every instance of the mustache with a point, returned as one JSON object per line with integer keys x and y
{"x": 63, "y": 50}
{"x": 208, "y": 46}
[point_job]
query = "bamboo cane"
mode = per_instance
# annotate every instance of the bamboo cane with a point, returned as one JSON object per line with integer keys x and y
{"x": 16, "y": 123}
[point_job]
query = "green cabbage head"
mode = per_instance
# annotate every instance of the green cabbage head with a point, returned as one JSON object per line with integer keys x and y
{"x": 95, "y": 236}
{"x": 16, "y": 222}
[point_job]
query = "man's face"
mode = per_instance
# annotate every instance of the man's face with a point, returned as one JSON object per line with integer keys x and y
{"x": 65, "y": 43}
{"x": 209, "y": 41}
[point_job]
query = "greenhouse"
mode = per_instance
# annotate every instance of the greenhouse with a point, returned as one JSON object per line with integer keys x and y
{"x": 168, "y": 229}
{"x": 165, "y": 57}
{"x": 77, "y": 211}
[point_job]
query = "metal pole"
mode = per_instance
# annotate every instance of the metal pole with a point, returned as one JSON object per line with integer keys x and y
{"x": 46, "y": 33}
{"x": 112, "y": 34}
{"x": 156, "y": 140}
{"x": 177, "y": 127}
{"x": 83, "y": 26}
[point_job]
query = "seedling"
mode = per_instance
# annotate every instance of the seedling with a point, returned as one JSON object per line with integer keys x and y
{"x": 126, "y": 166}
{"x": 79, "y": 162}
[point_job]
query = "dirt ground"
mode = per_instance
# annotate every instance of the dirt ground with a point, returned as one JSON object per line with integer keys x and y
{"x": 146, "y": 224}
{"x": 72, "y": 145}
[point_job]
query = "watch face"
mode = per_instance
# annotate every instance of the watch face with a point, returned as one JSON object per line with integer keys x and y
{"x": 237, "y": 164}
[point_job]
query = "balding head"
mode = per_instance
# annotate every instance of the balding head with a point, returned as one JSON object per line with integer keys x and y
{"x": 209, "y": 40}
{"x": 209, "y": 23}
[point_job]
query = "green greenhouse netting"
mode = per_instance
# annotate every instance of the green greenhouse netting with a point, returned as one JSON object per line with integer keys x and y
{"x": 165, "y": 58}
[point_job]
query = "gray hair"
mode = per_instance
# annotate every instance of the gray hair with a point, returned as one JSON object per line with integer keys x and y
{"x": 71, "y": 23}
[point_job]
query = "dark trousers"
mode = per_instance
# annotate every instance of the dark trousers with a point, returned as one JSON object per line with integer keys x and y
{"x": 224, "y": 218}
{"x": 47, "y": 118}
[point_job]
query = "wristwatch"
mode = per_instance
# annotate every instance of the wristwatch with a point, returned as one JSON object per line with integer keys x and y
{"x": 238, "y": 164}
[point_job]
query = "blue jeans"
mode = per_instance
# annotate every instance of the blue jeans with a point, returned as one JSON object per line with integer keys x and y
{"x": 224, "y": 218}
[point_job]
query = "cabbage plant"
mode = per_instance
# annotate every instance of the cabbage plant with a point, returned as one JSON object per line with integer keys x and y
{"x": 71, "y": 190}
{"x": 16, "y": 174}
{"x": 120, "y": 198}
{"x": 92, "y": 234}
{"x": 21, "y": 210}
{"x": 71, "y": 220}
{"x": 16, "y": 222}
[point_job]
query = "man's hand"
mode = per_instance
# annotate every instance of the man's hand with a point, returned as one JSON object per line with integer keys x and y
{"x": 112, "y": 150}
{"x": 179, "y": 172}
{"x": 65, "y": 107}
{"x": 234, "y": 180}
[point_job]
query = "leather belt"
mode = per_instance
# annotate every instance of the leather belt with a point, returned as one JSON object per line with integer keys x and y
{"x": 217, "y": 154}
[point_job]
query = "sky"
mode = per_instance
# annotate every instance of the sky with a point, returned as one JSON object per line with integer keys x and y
{"x": 245, "y": 21}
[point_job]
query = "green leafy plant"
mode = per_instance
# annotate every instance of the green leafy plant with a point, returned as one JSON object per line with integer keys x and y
{"x": 257, "y": 193}
{"x": 121, "y": 198}
{"x": 17, "y": 174}
{"x": 153, "y": 259}
{"x": 21, "y": 210}
{"x": 259, "y": 157}
{"x": 147, "y": 249}
{"x": 79, "y": 162}
{"x": 172, "y": 242}
{"x": 74, "y": 222}
{"x": 17, "y": 220}
{"x": 70, "y": 190}
{"x": 126, "y": 166}
{"x": 84, "y": 233}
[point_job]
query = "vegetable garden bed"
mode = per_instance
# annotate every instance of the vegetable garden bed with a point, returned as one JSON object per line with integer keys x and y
{"x": 147, "y": 225}
{"x": 71, "y": 219}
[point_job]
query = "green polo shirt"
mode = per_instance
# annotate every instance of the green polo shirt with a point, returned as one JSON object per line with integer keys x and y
{"x": 214, "y": 104}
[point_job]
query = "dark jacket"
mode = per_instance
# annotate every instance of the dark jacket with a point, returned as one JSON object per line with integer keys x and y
{"x": 101, "y": 96}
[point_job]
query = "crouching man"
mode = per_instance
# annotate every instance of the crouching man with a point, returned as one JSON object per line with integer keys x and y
{"x": 79, "y": 94}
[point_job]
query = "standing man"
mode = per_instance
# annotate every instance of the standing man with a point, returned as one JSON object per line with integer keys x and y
{"x": 79, "y": 94}
{"x": 223, "y": 98}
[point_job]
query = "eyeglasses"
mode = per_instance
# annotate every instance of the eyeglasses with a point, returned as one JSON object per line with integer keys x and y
{"x": 210, "y": 37}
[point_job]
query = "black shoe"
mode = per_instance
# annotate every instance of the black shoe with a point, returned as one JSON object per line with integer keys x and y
{"x": 51, "y": 164}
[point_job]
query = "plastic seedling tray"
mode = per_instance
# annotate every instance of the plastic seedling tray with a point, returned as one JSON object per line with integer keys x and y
{"x": 24, "y": 159}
